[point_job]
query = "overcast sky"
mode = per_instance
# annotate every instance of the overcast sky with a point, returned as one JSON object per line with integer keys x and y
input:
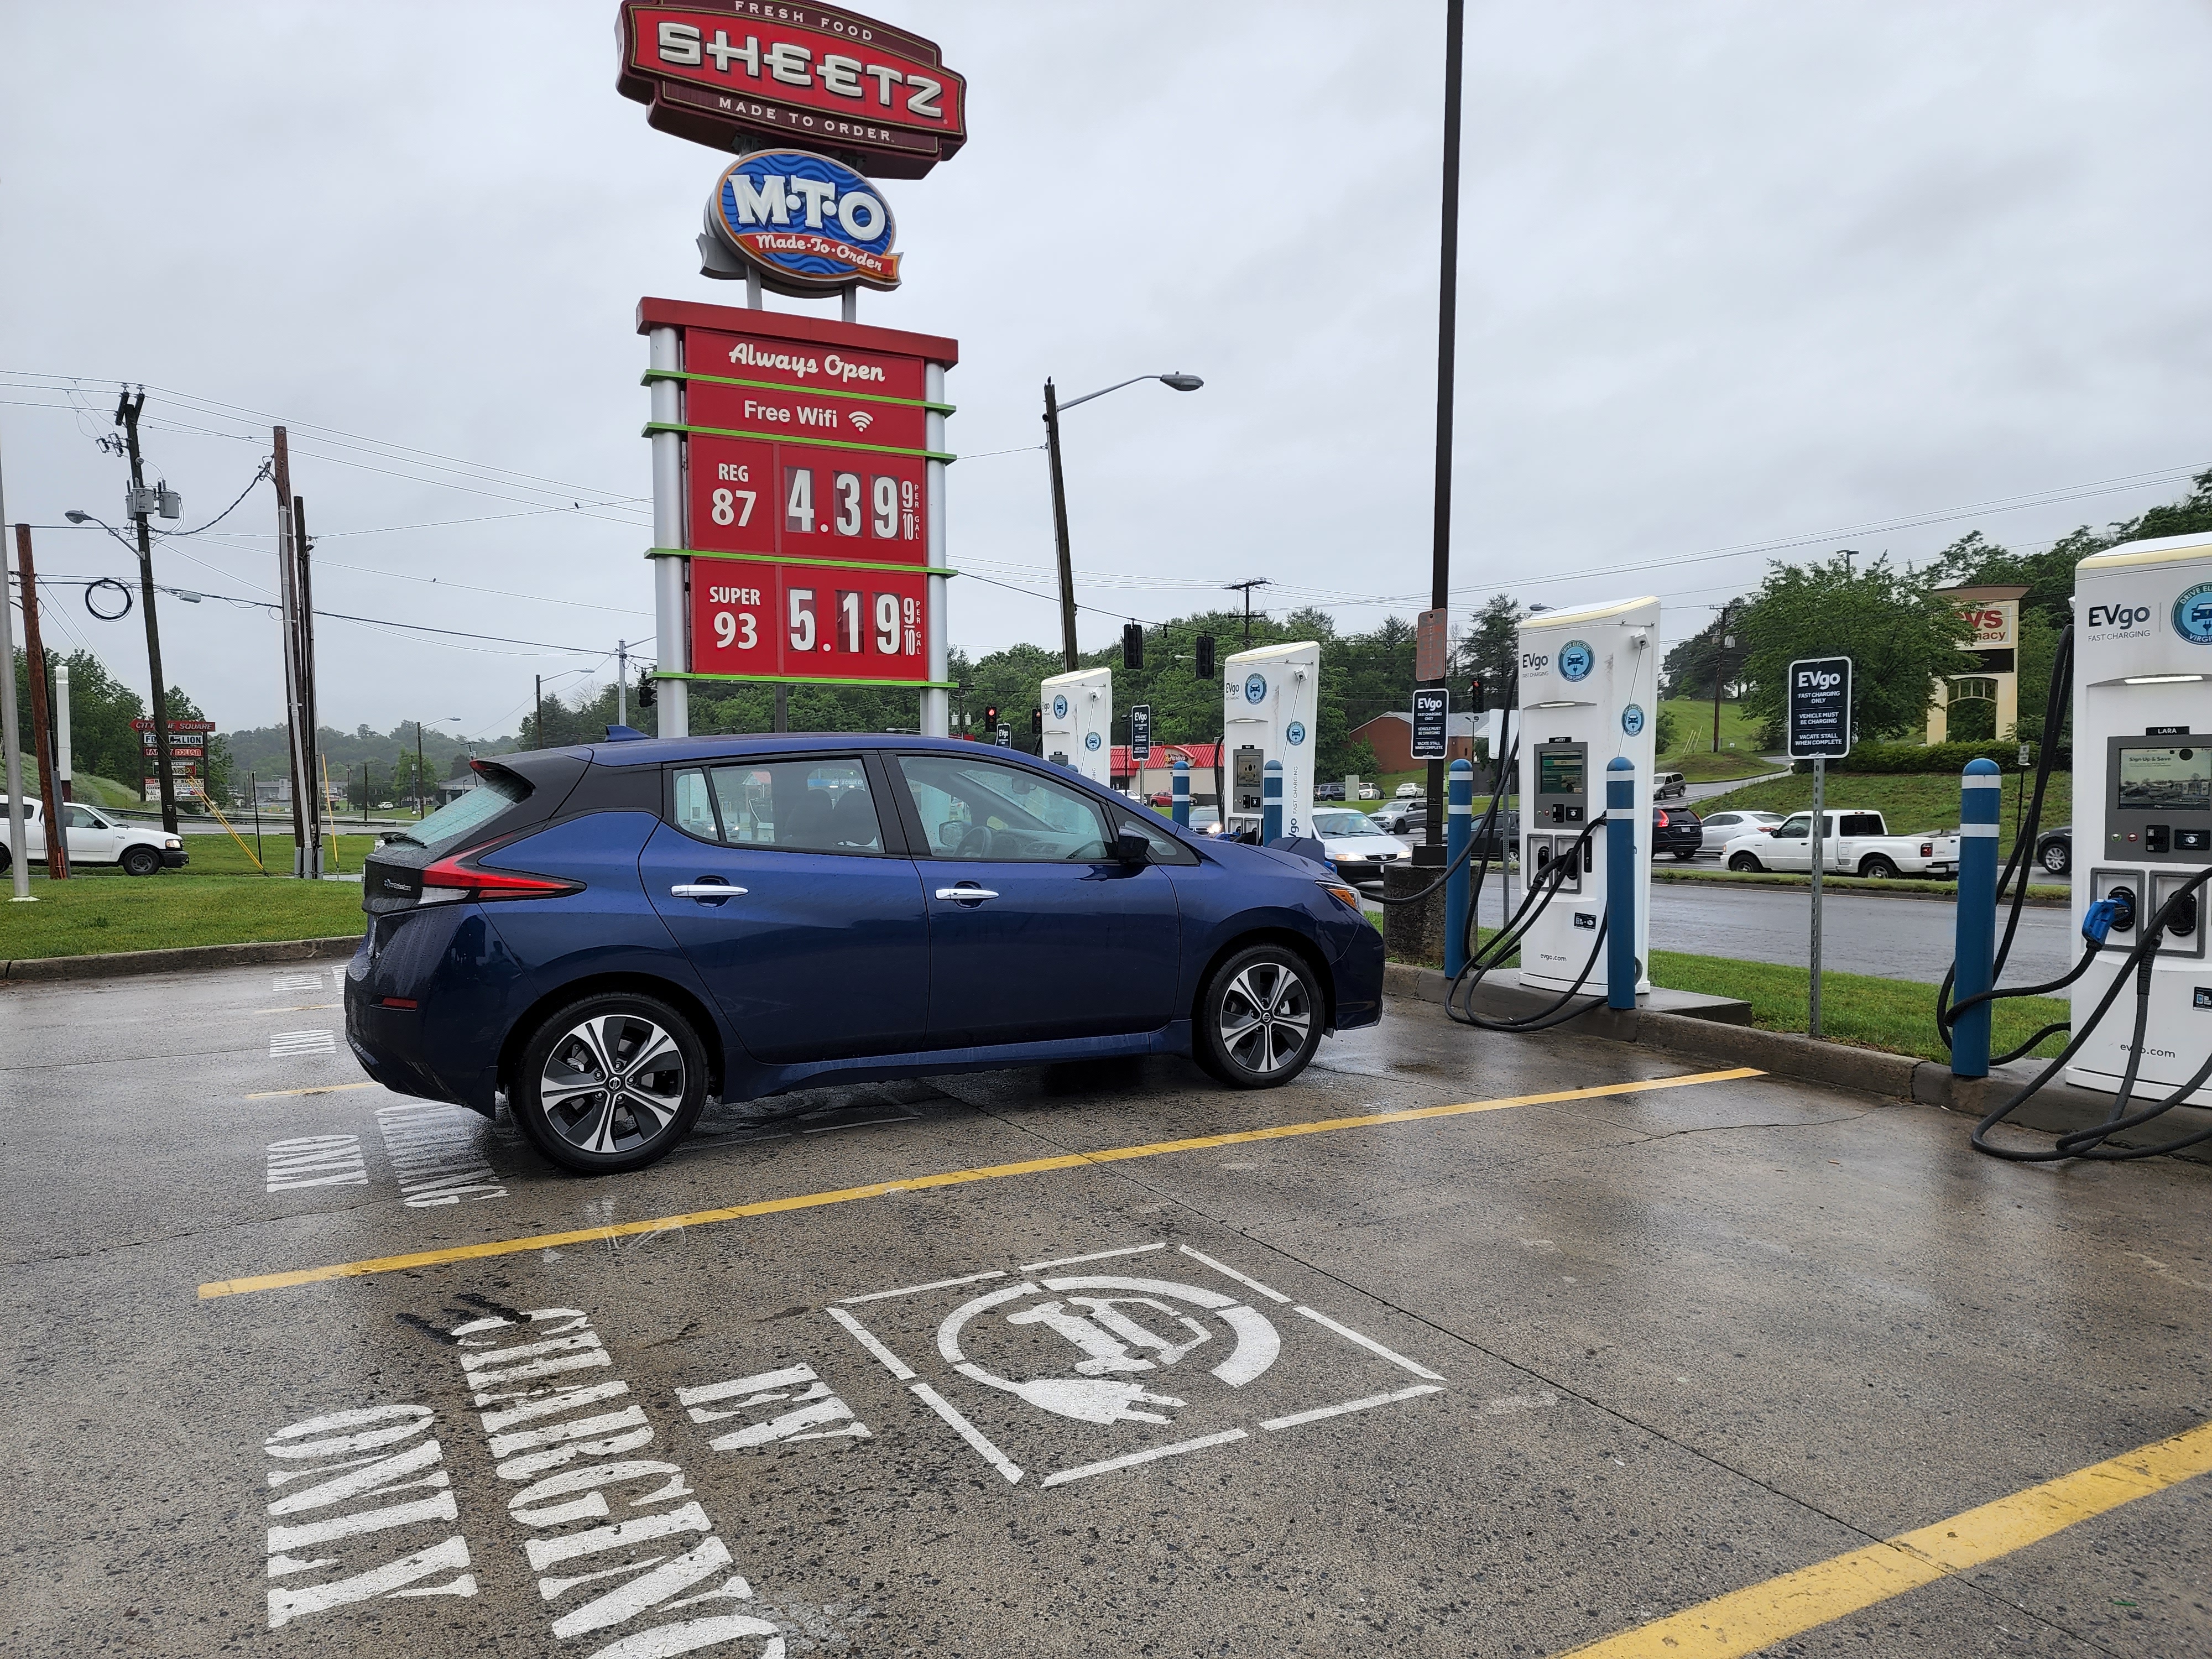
{"x": 1733, "y": 275}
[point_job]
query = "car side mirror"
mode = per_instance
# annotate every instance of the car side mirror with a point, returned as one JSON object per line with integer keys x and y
{"x": 1131, "y": 848}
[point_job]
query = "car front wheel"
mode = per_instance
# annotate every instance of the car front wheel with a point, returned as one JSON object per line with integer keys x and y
{"x": 140, "y": 860}
{"x": 1745, "y": 863}
{"x": 1260, "y": 1018}
{"x": 609, "y": 1083}
{"x": 2056, "y": 859}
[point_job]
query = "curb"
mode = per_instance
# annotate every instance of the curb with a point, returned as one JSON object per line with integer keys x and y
{"x": 2056, "y": 1110}
{"x": 123, "y": 964}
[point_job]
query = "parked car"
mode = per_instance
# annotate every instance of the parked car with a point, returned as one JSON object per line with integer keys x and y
{"x": 1855, "y": 844}
{"x": 1160, "y": 798}
{"x": 1390, "y": 817}
{"x": 1669, "y": 786}
{"x": 1721, "y": 828}
{"x": 95, "y": 838}
{"x": 1368, "y": 791}
{"x": 1408, "y": 790}
{"x": 1328, "y": 791}
{"x": 1356, "y": 847}
{"x": 1206, "y": 820}
{"x": 2054, "y": 850}
{"x": 1676, "y": 830}
{"x": 604, "y": 935}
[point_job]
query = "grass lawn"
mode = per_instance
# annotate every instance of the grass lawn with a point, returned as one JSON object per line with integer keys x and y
{"x": 1740, "y": 732}
{"x": 1910, "y": 803}
{"x": 1703, "y": 766}
{"x": 1896, "y": 1016}
{"x": 107, "y": 910}
{"x": 219, "y": 855}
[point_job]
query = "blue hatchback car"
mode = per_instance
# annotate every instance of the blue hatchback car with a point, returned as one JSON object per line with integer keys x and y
{"x": 606, "y": 935}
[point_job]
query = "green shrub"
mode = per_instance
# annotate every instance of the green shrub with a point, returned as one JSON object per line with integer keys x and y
{"x": 1947, "y": 758}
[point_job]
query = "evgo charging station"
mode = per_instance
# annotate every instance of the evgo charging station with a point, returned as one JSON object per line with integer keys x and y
{"x": 1079, "y": 722}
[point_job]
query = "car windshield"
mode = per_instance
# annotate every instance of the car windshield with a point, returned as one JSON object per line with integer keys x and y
{"x": 1342, "y": 823}
{"x": 1202, "y": 816}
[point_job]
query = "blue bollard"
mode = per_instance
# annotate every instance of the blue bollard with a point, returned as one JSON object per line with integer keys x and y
{"x": 1459, "y": 789}
{"x": 1981, "y": 796}
{"x": 1271, "y": 802}
{"x": 1181, "y": 786}
{"x": 1620, "y": 883}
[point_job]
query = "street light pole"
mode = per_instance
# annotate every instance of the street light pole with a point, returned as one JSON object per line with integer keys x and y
{"x": 1431, "y": 852}
{"x": 418, "y": 770}
{"x": 1177, "y": 381}
{"x": 126, "y": 416}
{"x": 1720, "y": 670}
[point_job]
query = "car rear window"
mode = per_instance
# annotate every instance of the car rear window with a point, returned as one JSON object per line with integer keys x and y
{"x": 799, "y": 805}
{"x": 496, "y": 789}
{"x": 1861, "y": 823}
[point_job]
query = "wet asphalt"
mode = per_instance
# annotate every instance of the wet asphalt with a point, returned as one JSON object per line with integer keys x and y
{"x": 1493, "y": 1383}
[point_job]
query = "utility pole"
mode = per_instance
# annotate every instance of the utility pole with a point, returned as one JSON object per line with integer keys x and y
{"x": 1060, "y": 530}
{"x": 1721, "y": 643}
{"x": 311, "y": 866}
{"x": 1246, "y": 586}
{"x": 34, "y": 653}
{"x": 126, "y": 416}
{"x": 1431, "y": 851}
{"x": 11, "y": 743}
{"x": 287, "y": 611}
{"x": 621, "y": 681}
{"x": 418, "y": 769}
{"x": 538, "y": 728}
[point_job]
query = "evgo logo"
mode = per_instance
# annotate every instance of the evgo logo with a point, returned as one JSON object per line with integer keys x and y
{"x": 2123, "y": 617}
{"x": 1060, "y": 709}
{"x": 1255, "y": 688}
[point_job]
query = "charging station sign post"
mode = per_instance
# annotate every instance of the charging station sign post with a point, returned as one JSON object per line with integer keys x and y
{"x": 1432, "y": 723}
{"x": 1140, "y": 734}
{"x": 1820, "y": 730}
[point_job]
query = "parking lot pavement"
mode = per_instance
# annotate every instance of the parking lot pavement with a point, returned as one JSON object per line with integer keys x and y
{"x": 1861, "y": 933}
{"x": 1460, "y": 1345}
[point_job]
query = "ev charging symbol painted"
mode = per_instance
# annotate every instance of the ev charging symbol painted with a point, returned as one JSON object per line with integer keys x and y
{"x": 1059, "y": 708}
{"x": 1090, "y": 741}
{"x": 1118, "y": 1328}
{"x": 1295, "y": 733}
{"x": 1577, "y": 659}
{"x": 1632, "y": 719}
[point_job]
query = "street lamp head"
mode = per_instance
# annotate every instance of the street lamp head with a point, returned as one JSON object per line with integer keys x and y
{"x": 76, "y": 517}
{"x": 1182, "y": 382}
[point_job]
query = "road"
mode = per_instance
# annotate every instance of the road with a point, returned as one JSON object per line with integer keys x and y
{"x": 1461, "y": 1344}
{"x": 1860, "y": 933}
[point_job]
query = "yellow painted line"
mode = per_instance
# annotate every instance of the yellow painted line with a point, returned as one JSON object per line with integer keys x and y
{"x": 388, "y": 1264}
{"x": 323, "y": 1089}
{"x": 1747, "y": 1620}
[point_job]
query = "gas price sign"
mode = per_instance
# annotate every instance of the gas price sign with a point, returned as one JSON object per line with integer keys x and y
{"x": 758, "y": 619}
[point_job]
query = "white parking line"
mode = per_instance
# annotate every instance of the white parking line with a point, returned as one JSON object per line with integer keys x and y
{"x": 283, "y": 1044}
{"x": 1368, "y": 1404}
{"x": 298, "y": 982}
{"x": 1085, "y": 1471}
{"x": 1371, "y": 1346}
{"x": 889, "y": 1361}
{"x": 910, "y": 1290}
{"x": 968, "y": 1431}
{"x": 1225, "y": 1269}
{"x": 1095, "y": 1256}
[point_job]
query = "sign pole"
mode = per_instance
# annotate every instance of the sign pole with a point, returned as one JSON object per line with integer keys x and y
{"x": 1431, "y": 851}
{"x": 34, "y": 656}
{"x": 671, "y": 632}
{"x": 1820, "y": 837}
{"x": 936, "y": 705}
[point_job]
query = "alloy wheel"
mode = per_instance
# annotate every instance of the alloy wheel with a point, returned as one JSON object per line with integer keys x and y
{"x": 612, "y": 1083}
{"x": 1266, "y": 1018}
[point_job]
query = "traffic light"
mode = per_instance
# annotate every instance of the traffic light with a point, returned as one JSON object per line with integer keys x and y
{"x": 1036, "y": 722}
{"x": 990, "y": 717}
{"x": 647, "y": 690}
{"x": 1475, "y": 702}
{"x": 1133, "y": 645}
{"x": 1204, "y": 669}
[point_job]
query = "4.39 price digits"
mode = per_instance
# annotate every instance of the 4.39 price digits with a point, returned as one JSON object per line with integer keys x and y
{"x": 878, "y": 506}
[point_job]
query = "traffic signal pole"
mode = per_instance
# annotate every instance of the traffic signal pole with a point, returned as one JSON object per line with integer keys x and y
{"x": 1431, "y": 852}
{"x": 1060, "y": 530}
{"x": 126, "y": 416}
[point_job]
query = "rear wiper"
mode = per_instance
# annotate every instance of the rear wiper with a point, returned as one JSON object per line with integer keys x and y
{"x": 402, "y": 835}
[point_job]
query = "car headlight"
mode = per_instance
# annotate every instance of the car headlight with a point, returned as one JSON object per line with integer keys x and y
{"x": 173, "y": 843}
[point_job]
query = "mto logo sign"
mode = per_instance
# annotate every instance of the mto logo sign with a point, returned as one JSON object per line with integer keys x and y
{"x": 2193, "y": 614}
{"x": 807, "y": 221}
{"x": 742, "y": 72}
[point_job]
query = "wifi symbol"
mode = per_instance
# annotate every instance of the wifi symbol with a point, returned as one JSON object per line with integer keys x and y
{"x": 861, "y": 420}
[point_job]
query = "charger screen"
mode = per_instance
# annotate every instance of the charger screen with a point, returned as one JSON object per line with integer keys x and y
{"x": 1558, "y": 773}
{"x": 2162, "y": 779}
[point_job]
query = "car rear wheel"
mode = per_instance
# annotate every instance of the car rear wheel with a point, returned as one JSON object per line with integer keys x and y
{"x": 609, "y": 1083}
{"x": 1260, "y": 1018}
{"x": 1745, "y": 863}
{"x": 2057, "y": 858}
{"x": 140, "y": 860}
{"x": 1876, "y": 867}
{"x": 1684, "y": 858}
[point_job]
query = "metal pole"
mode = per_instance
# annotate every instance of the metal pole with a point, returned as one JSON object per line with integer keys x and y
{"x": 1720, "y": 665}
{"x": 1981, "y": 799}
{"x": 1060, "y": 530}
{"x": 288, "y": 611}
{"x": 1820, "y": 846}
{"x": 1271, "y": 802}
{"x": 12, "y": 749}
{"x": 419, "y": 809}
{"x": 126, "y": 416}
{"x": 1179, "y": 792}
{"x": 318, "y": 773}
{"x": 670, "y": 574}
{"x": 1458, "y": 885}
{"x": 621, "y": 681}
{"x": 537, "y": 716}
{"x": 34, "y": 656}
{"x": 253, "y": 789}
{"x": 1433, "y": 851}
{"x": 62, "y": 730}
{"x": 935, "y": 704}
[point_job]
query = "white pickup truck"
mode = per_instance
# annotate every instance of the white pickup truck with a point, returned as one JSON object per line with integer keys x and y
{"x": 95, "y": 838}
{"x": 1855, "y": 844}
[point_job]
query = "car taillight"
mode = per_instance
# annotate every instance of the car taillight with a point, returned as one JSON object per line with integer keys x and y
{"x": 1660, "y": 816}
{"x": 453, "y": 879}
{"x": 1927, "y": 849}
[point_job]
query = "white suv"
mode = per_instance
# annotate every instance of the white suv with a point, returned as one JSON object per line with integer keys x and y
{"x": 95, "y": 838}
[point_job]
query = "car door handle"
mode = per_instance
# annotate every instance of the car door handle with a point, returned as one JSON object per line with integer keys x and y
{"x": 965, "y": 893}
{"x": 704, "y": 890}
